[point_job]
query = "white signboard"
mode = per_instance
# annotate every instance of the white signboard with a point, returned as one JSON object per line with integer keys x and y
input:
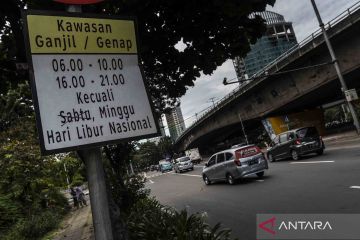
{"x": 87, "y": 84}
{"x": 351, "y": 95}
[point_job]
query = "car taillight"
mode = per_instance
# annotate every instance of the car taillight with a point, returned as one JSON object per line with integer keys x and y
{"x": 297, "y": 142}
{"x": 237, "y": 162}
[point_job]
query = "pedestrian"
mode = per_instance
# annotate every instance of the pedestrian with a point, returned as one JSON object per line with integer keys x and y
{"x": 80, "y": 196}
{"x": 74, "y": 197}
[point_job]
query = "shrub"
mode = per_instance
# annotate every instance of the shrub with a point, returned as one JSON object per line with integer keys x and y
{"x": 9, "y": 211}
{"x": 43, "y": 218}
{"x": 150, "y": 220}
{"x": 34, "y": 227}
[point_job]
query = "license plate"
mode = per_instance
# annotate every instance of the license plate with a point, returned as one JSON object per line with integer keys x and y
{"x": 252, "y": 162}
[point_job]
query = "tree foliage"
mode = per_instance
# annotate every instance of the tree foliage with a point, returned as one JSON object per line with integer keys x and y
{"x": 166, "y": 147}
{"x": 147, "y": 154}
{"x": 179, "y": 40}
{"x": 209, "y": 33}
{"x": 29, "y": 184}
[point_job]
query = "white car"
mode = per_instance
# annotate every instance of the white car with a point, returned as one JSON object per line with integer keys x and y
{"x": 235, "y": 163}
{"x": 183, "y": 164}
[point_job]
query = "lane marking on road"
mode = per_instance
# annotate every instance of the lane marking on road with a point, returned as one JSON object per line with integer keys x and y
{"x": 159, "y": 174}
{"x": 355, "y": 187}
{"x": 185, "y": 174}
{"x": 151, "y": 182}
{"x": 260, "y": 180}
{"x": 310, "y": 162}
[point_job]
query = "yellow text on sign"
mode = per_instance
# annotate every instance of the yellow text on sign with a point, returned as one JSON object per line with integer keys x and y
{"x": 59, "y": 34}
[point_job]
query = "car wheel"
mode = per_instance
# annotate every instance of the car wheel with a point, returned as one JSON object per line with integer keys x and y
{"x": 206, "y": 180}
{"x": 176, "y": 171}
{"x": 230, "y": 179}
{"x": 271, "y": 157}
{"x": 260, "y": 174}
{"x": 294, "y": 155}
{"x": 320, "y": 152}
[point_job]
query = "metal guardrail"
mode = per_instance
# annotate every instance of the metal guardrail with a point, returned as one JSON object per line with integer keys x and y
{"x": 274, "y": 65}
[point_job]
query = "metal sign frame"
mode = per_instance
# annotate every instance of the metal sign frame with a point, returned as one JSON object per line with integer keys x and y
{"x": 25, "y": 13}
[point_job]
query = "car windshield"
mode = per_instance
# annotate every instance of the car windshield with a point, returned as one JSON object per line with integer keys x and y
{"x": 307, "y": 132}
{"x": 183, "y": 159}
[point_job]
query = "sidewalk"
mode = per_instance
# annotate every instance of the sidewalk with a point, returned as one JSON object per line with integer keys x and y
{"x": 77, "y": 226}
{"x": 341, "y": 137}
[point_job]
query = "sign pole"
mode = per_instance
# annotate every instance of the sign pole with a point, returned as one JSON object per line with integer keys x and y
{"x": 96, "y": 183}
{"x": 344, "y": 87}
{"x": 88, "y": 90}
{"x": 98, "y": 195}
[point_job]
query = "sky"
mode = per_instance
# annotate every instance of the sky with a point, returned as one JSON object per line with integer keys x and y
{"x": 302, "y": 16}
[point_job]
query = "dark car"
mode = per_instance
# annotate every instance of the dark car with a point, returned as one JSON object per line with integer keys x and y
{"x": 296, "y": 143}
{"x": 154, "y": 168}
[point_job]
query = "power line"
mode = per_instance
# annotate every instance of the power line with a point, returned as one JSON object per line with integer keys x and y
{"x": 195, "y": 115}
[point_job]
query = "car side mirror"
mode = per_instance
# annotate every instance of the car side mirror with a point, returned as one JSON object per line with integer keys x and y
{"x": 206, "y": 165}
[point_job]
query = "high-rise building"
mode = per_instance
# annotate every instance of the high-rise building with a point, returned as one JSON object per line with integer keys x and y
{"x": 156, "y": 140}
{"x": 162, "y": 128}
{"x": 175, "y": 122}
{"x": 279, "y": 37}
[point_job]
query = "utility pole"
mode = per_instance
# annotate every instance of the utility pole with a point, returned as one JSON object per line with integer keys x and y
{"x": 131, "y": 168}
{"x": 337, "y": 68}
{"x": 67, "y": 177}
{"x": 212, "y": 99}
{"x": 96, "y": 181}
{"x": 243, "y": 129}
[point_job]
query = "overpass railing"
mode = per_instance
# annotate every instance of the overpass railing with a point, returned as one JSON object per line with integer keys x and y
{"x": 275, "y": 65}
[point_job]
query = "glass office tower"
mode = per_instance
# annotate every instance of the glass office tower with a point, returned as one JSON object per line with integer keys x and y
{"x": 278, "y": 38}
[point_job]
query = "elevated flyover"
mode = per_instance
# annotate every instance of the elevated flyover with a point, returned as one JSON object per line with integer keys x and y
{"x": 271, "y": 94}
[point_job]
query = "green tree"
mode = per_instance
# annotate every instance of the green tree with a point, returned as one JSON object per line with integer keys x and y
{"x": 147, "y": 154}
{"x": 210, "y": 31}
{"x": 69, "y": 167}
{"x": 335, "y": 113}
{"x": 166, "y": 147}
{"x": 28, "y": 185}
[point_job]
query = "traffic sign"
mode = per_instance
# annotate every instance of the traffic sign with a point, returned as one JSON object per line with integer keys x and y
{"x": 286, "y": 119}
{"x": 87, "y": 86}
{"x": 351, "y": 95}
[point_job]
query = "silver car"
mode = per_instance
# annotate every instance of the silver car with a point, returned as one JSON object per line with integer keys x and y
{"x": 183, "y": 164}
{"x": 234, "y": 163}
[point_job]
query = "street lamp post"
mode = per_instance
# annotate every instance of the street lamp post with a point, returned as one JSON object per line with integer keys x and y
{"x": 337, "y": 68}
{"x": 243, "y": 129}
{"x": 212, "y": 99}
{"x": 67, "y": 177}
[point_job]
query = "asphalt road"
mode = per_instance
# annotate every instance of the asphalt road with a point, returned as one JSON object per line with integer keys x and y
{"x": 314, "y": 184}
